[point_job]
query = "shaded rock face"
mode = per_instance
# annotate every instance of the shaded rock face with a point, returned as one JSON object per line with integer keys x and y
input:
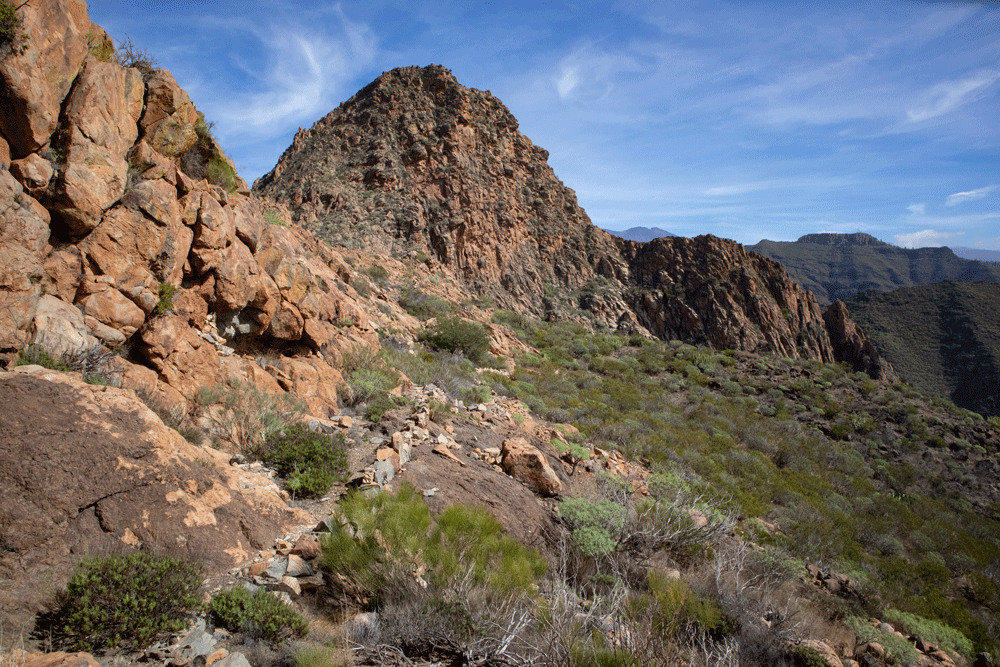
{"x": 417, "y": 164}
{"x": 145, "y": 485}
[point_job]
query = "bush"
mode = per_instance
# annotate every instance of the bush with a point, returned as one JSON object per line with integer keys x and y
{"x": 36, "y": 355}
{"x": 12, "y": 40}
{"x": 934, "y": 632}
{"x": 129, "y": 55}
{"x": 422, "y": 305}
{"x": 456, "y": 335}
{"x": 311, "y": 462}
{"x": 166, "y": 302}
{"x": 219, "y": 172}
{"x": 258, "y": 614}
{"x": 128, "y": 600}
{"x": 900, "y": 650}
{"x": 250, "y": 415}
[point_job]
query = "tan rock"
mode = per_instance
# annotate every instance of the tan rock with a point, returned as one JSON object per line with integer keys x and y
{"x": 287, "y": 323}
{"x": 445, "y": 452}
{"x": 237, "y": 277}
{"x": 314, "y": 381}
{"x": 103, "y": 332}
{"x": 214, "y": 230}
{"x": 115, "y": 310}
{"x": 56, "y": 659}
{"x": 124, "y": 246}
{"x": 184, "y": 360}
{"x": 101, "y": 113}
{"x": 168, "y": 125}
{"x": 525, "y": 463}
{"x": 59, "y": 327}
{"x": 34, "y": 173}
{"x": 23, "y": 243}
{"x": 829, "y": 656}
{"x": 38, "y": 80}
{"x": 216, "y": 656}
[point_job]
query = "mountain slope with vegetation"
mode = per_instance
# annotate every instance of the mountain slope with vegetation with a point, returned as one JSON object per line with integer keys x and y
{"x": 838, "y": 266}
{"x": 353, "y": 456}
{"x": 942, "y": 338}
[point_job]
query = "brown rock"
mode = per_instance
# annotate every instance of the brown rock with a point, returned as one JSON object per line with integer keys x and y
{"x": 168, "y": 126}
{"x": 445, "y": 452}
{"x": 63, "y": 272}
{"x": 851, "y": 344}
{"x": 216, "y": 656}
{"x": 184, "y": 360}
{"x": 23, "y": 242}
{"x": 125, "y": 246}
{"x": 237, "y": 277}
{"x": 101, "y": 114}
{"x": 525, "y": 463}
{"x": 115, "y": 310}
{"x": 56, "y": 659}
{"x": 34, "y": 173}
{"x": 307, "y": 546}
{"x": 91, "y": 465}
{"x": 38, "y": 80}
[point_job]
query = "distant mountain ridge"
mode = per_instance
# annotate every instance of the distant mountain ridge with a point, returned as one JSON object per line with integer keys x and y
{"x": 641, "y": 234}
{"x": 839, "y": 266}
{"x": 944, "y": 338}
{"x": 977, "y": 254}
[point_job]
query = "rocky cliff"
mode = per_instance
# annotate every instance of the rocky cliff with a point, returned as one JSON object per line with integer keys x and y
{"x": 416, "y": 164}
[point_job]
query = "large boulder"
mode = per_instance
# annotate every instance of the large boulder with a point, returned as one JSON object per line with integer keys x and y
{"x": 95, "y": 471}
{"x": 528, "y": 465}
{"x": 99, "y": 129}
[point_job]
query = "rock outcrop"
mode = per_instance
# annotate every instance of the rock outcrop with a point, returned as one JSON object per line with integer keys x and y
{"x": 145, "y": 485}
{"x": 417, "y": 165}
{"x": 123, "y": 226}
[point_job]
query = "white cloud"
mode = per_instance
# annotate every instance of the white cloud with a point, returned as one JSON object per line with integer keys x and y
{"x": 917, "y": 209}
{"x": 950, "y": 95}
{"x": 567, "y": 81}
{"x": 927, "y": 238}
{"x": 971, "y": 195}
{"x": 738, "y": 189}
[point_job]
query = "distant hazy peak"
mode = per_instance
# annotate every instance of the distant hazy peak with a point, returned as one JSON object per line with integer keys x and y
{"x": 642, "y": 234}
{"x": 858, "y": 239}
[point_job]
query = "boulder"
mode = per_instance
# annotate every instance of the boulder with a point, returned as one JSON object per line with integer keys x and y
{"x": 59, "y": 327}
{"x": 115, "y": 310}
{"x": 95, "y": 471}
{"x": 100, "y": 128}
{"x": 526, "y": 463}
{"x": 55, "y": 659}
{"x": 168, "y": 126}
{"x": 34, "y": 173}
{"x": 829, "y": 656}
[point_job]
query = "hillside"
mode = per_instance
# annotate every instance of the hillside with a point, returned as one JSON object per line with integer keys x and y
{"x": 977, "y": 254}
{"x": 942, "y": 338}
{"x": 417, "y": 165}
{"x": 838, "y": 266}
{"x": 242, "y": 431}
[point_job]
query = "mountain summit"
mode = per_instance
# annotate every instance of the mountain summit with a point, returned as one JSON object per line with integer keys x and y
{"x": 417, "y": 165}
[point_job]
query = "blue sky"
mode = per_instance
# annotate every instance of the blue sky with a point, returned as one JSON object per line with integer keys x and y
{"x": 747, "y": 120}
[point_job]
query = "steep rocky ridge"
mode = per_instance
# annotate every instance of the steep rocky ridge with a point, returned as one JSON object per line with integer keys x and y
{"x": 417, "y": 165}
{"x": 838, "y": 266}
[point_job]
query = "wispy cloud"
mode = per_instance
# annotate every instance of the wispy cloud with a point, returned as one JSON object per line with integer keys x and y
{"x": 971, "y": 195}
{"x": 948, "y": 96}
{"x": 917, "y": 209}
{"x": 926, "y": 238}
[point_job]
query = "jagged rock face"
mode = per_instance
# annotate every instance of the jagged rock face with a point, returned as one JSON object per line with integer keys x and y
{"x": 713, "y": 291}
{"x": 417, "y": 162}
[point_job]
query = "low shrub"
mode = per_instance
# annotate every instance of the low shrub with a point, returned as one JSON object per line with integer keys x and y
{"x": 166, "y": 302}
{"x": 934, "y": 632}
{"x": 36, "y": 355}
{"x": 12, "y": 38}
{"x": 456, "y": 335}
{"x": 311, "y": 462}
{"x": 250, "y": 415}
{"x": 422, "y": 305}
{"x": 128, "y": 600}
{"x": 259, "y": 614}
{"x": 900, "y": 650}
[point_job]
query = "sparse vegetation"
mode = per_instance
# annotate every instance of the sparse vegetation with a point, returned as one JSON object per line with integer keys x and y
{"x": 12, "y": 37}
{"x": 460, "y": 336}
{"x": 310, "y": 462}
{"x": 248, "y": 416}
{"x": 166, "y": 302}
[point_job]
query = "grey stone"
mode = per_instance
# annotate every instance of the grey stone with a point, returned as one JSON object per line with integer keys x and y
{"x": 384, "y": 472}
{"x": 233, "y": 660}
{"x": 277, "y": 568}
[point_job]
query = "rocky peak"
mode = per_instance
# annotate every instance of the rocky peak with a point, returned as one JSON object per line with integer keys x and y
{"x": 417, "y": 164}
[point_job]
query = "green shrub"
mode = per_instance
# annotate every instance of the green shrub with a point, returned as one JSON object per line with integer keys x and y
{"x": 934, "y": 632}
{"x": 166, "y": 302}
{"x": 12, "y": 39}
{"x": 456, "y": 335}
{"x": 900, "y": 650}
{"x": 35, "y": 354}
{"x": 219, "y": 172}
{"x": 274, "y": 217}
{"x": 128, "y": 600}
{"x": 101, "y": 49}
{"x": 311, "y": 462}
{"x": 423, "y": 305}
{"x": 382, "y": 539}
{"x": 377, "y": 272}
{"x": 259, "y": 614}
